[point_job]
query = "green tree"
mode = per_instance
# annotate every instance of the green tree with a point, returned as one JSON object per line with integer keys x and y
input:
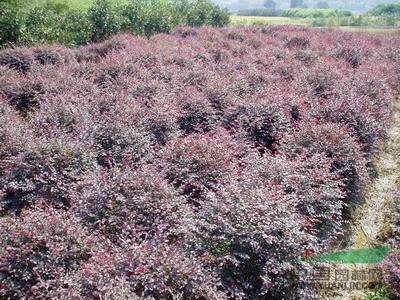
{"x": 385, "y": 9}
{"x": 104, "y": 19}
{"x": 11, "y": 21}
{"x": 322, "y": 5}
{"x": 296, "y": 3}
{"x": 270, "y": 4}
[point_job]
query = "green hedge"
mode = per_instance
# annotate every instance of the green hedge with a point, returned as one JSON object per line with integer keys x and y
{"x": 361, "y": 20}
{"x": 55, "y": 22}
{"x": 296, "y": 13}
{"x": 315, "y": 13}
{"x": 11, "y": 19}
{"x": 260, "y": 12}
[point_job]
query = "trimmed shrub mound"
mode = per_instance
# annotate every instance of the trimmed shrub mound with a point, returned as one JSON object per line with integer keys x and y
{"x": 200, "y": 164}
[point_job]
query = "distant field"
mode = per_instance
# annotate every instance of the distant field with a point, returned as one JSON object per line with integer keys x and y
{"x": 256, "y": 20}
{"x": 370, "y": 29}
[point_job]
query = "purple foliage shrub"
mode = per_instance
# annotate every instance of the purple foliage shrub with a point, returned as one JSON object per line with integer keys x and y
{"x": 39, "y": 251}
{"x": 14, "y": 133}
{"x": 47, "y": 173}
{"x": 23, "y": 59}
{"x": 97, "y": 51}
{"x": 52, "y": 55}
{"x": 196, "y": 165}
{"x": 129, "y": 203}
{"x": 24, "y": 95}
{"x": 197, "y": 162}
{"x": 117, "y": 145}
{"x": 197, "y": 113}
{"x": 334, "y": 142}
{"x": 17, "y": 59}
{"x": 260, "y": 118}
{"x": 315, "y": 189}
{"x": 241, "y": 233}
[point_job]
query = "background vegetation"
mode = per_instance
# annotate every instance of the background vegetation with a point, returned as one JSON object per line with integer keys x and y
{"x": 78, "y": 23}
{"x": 381, "y": 15}
{"x": 296, "y": 13}
{"x": 360, "y": 6}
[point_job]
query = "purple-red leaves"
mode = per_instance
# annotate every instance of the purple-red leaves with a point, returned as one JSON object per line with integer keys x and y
{"x": 196, "y": 165}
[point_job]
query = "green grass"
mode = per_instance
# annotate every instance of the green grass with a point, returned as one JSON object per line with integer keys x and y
{"x": 370, "y": 29}
{"x": 258, "y": 20}
{"x": 380, "y": 292}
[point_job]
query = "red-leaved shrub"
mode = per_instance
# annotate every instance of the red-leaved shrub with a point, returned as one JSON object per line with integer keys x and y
{"x": 196, "y": 165}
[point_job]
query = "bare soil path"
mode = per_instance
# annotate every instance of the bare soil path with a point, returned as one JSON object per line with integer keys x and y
{"x": 371, "y": 221}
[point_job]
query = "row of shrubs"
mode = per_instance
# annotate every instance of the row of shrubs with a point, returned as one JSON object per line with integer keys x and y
{"x": 260, "y": 12}
{"x": 361, "y": 20}
{"x": 57, "y": 22}
{"x": 296, "y": 13}
{"x": 197, "y": 165}
{"x": 381, "y": 15}
{"x": 315, "y": 13}
{"x": 385, "y": 9}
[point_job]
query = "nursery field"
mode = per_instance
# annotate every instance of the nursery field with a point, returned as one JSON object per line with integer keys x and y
{"x": 371, "y": 29}
{"x": 260, "y": 20}
{"x": 201, "y": 164}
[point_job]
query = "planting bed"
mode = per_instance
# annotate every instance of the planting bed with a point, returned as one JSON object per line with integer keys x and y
{"x": 196, "y": 165}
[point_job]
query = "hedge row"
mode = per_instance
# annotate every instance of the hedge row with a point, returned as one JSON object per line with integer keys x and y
{"x": 296, "y": 13}
{"x": 57, "y": 22}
